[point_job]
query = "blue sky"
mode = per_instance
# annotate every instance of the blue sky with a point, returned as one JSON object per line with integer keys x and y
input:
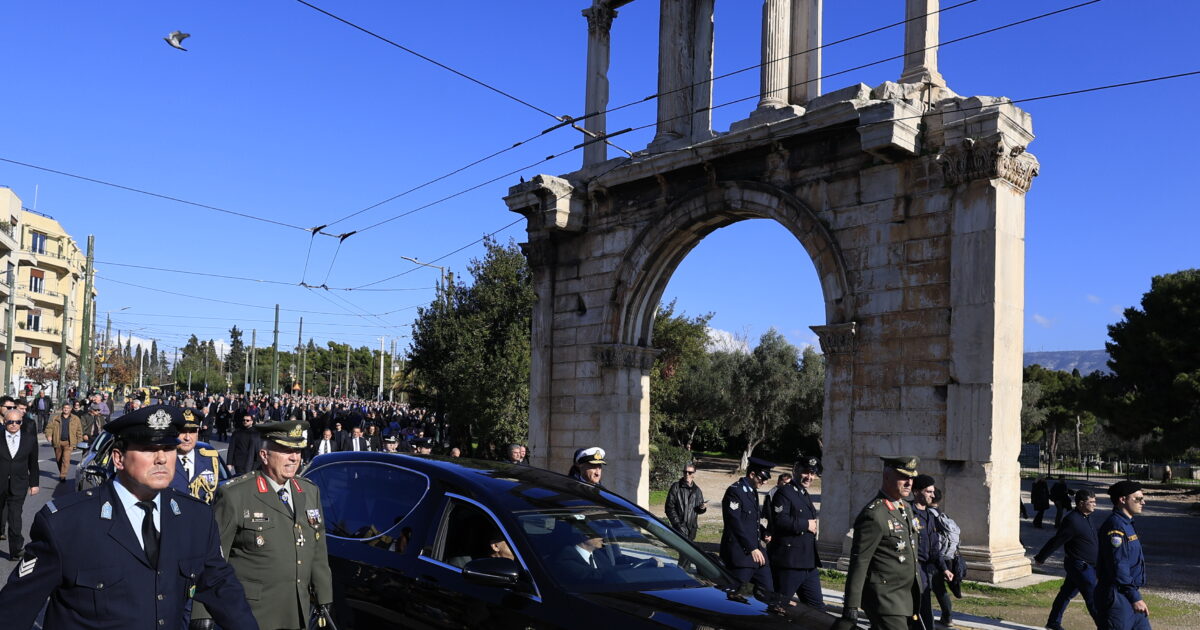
{"x": 281, "y": 112}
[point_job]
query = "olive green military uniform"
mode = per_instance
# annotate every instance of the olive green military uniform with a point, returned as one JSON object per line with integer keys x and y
{"x": 278, "y": 556}
{"x": 882, "y": 579}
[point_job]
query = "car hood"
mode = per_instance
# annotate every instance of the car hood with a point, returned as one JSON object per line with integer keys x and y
{"x": 708, "y": 608}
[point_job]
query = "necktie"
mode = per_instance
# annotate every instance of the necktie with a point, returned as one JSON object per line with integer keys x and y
{"x": 283, "y": 496}
{"x": 592, "y": 561}
{"x": 149, "y": 533}
{"x": 187, "y": 465}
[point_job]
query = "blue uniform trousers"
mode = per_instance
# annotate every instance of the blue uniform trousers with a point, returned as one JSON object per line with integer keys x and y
{"x": 761, "y": 576}
{"x": 1081, "y": 580}
{"x": 1114, "y": 612}
{"x": 803, "y": 583}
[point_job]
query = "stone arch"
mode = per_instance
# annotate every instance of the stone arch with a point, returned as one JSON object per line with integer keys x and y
{"x": 656, "y": 252}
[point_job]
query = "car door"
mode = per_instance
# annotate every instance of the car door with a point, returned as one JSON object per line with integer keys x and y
{"x": 468, "y": 530}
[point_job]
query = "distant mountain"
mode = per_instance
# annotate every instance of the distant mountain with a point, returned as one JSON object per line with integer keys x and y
{"x": 1086, "y": 361}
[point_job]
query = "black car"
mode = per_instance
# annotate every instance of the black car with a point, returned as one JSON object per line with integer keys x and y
{"x": 428, "y": 542}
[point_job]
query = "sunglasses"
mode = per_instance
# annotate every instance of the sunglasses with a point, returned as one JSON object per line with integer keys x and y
{"x": 12, "y": 422}
{"x": 689, "y": 472}
{"x": 1138, "y": 499}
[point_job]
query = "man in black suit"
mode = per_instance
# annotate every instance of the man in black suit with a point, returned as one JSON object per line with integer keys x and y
{"x": 357, "y": 441}
{"x": 18, "y": 476}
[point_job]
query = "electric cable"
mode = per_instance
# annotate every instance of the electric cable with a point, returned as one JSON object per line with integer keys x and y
{"x": 241, "y": 278}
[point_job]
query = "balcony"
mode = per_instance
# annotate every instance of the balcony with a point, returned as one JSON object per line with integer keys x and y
{"x": 52, "y": 299}
{"x": 45, "y": 335}
{"x": 50, "y": 258}
{"x": 8, "y": 237}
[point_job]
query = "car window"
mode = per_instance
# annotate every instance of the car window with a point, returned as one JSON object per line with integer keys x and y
{"x": 363, "y": 500}
{"x": 469, "y": 533}
{"x": 598, "y": 550}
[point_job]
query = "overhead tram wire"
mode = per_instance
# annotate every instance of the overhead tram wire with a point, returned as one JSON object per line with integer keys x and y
{"x": 630, "y": 104}
{"x": 208, "y": 299}
{"x": 244, "y": 279}
{"x": 265, "y": 321}
{"x": 726, "y": 104}
{"x": 1029, "y": 99}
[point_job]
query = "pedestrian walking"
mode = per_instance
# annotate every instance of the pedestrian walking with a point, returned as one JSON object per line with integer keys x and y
{"x": 795, "y": 565}
{"x": 1060, "y": 494}
{"x": 1121, "y": 567}
{"x": 63, "y": 432}
{"x": 950, "y": 534}
{"x": 685, "y": 503}
{"x": 1078, "y": 533}
{"x": 130, "y": 553}
{"x": 929, "y": 546}
{"x": 743, "y": 537}
{"x": 884, "y": 545}
{"x": 18, "y": 477}
{"x": 1039, "y": 497}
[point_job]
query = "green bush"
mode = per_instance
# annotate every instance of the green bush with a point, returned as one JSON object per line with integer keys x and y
{"x": 666, "y": 464}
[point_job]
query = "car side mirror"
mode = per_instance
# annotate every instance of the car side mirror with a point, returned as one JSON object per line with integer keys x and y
{"x": 492, "y": 572}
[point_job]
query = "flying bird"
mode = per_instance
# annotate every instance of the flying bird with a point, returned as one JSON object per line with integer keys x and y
{"x": 176, "y": 38}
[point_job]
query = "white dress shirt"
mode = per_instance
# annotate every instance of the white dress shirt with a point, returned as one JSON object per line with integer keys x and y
{"x": 14, "y": 443}
{"x": 135, "y": 513}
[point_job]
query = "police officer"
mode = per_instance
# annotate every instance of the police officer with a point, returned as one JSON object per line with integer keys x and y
{"x": 1078, "y": 533}
{"x": 1121, "y": 568}
{"x": 273, "y": 532}
{"x": 793, "y": 549}
{"x": 885, "y": 545}
{"x": 196, "y": 472}
{"x": 129, "y": 553}
{"x": 741, "y": 542}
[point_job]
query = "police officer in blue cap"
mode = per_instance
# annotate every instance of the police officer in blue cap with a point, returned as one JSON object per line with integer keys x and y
{"x": 742, "y": 540}
{"x": 1122, "y": 567}
{"x": 130, "y": 553}
{"x": 795, "y": 564}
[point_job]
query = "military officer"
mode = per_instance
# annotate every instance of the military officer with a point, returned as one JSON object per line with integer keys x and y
{"x": 130, "y": 553}
{"x": 1121, "y": 568}
{"x": 885, "y": 547}
{"x": 741, "y": 542}
{"x": 273, "y": 532}
{"x": 793, "y": 549}
{"x": 196, "y": 473}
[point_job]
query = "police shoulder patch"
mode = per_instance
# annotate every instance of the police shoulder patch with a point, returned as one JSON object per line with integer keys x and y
{"x": 1116, "y": 540}
{"x": 26, "y": 567}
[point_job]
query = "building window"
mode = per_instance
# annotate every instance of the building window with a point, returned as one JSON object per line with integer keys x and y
{"x": 33, "y": 320}
{"x": 37, "y": 281}
{"x": 37, "y": 243}
{"x": 32, "y": 361}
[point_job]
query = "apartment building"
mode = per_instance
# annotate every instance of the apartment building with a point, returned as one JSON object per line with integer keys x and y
{"x": 47, "y": 267}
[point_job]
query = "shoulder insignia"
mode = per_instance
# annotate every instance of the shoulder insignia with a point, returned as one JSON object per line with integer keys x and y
{"x": 1116, "y": 532}
{"x": 175, "y": 507}
{"x": 890, "y": 506}
{"x": 778, "y": 508}
{"x": 733, "y": 505}
{"x": 26, "y": 567}
{"x": 208, "y": 452}
{"x": 1133, "y": 538}
{"x": 296, "y": 484}
{"x": 50, "y": 506}
{"x": 1116, "y": 540}
{"x": 262, "y": 484}
{"x": 106, "y": 511}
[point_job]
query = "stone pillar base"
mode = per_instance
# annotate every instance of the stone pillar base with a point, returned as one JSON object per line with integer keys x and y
{"x": 995, "y": 566}
{"x": 766, "y": 115}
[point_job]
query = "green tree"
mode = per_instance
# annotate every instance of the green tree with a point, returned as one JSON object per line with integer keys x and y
{"x": 763, "y": 390}
{"x": 470, "y": 352}
{"x": 681, "y": 361}
{"x": 1064, "y": 405}
{"x": 1155, "y": 358}
{"x": 235, "y": 359}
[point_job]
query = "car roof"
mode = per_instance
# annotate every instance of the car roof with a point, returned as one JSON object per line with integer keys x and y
{"x": 513, "y": 487}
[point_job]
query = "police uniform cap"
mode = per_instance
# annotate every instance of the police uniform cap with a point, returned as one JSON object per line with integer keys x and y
{"x": 808, "y": 464}
{"x": 422, "y": 442}
{"x": 191, "y": 420}
{"x": 905, "y": 464}
{"x": 593, "y": 456}
{"x": 391, "y": 439}
{"x": 156, "y": 424}
{"x": 920, "y": 482}
{"x": 1123, "y": 488}
{"x": 291, "y": 433}
{"x": 760, "y": 465}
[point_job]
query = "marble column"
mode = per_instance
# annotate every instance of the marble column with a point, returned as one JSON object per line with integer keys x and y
{"x": 599, "y": 19}
{"x": 805, "y": 72}
{"x": 674, "y": 73}
{"x": 776, "y": 48}
{"x": 702, "y": 70}
{"x": 920, "y": 43}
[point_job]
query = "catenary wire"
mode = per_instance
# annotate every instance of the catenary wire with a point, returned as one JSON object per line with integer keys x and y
{"x": 242, "y": 278}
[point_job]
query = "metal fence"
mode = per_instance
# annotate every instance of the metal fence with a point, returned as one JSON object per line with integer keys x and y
{"x": 1180, "y": 473}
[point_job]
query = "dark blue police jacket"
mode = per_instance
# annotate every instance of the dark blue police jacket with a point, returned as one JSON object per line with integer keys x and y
{"x": 792, "y": 545}
{"x": 1122, "y": 566}
{"x": 740, "y": 515}
{"x": 86, "y": 558}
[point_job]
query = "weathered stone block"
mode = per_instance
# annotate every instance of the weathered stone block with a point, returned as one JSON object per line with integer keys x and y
{"x": 927, "y": 249}
{"x": 926, "y": 349}
{"x": 923, "y": 397}
{"x": 923, "y": 273}
{"x": 928, "y": 296}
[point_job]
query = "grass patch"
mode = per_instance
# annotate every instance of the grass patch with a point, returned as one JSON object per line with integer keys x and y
{"x": 720, "y": 454}
{"x": 658, "y": 498}
{"x": 1031, "y": 604}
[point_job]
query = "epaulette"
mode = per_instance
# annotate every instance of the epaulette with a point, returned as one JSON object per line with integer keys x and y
{"x": 176, "y": 494}
{"x": 873, "y": 504}
{"x": 238, "y": 479}
{"x": 68, "y": 501}
{"x": 209, "y": 452}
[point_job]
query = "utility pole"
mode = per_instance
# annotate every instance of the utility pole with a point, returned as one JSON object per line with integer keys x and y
{"x": 9, "y": 324}
{"x": 62, "y": 355}
{"x": 253, "y": 358}
{"x": 85, "y": 341}
{"x": 275, "y": 356}
{"x": 392, "y": 373}
{"x": 303, "y": 359}
{"x": 246, "y": 375}
{"x": 297, "y": 359}
{"x": 205, "y": 370}
{"x": 379, "y": 394}
{"x": 347, "y": 391}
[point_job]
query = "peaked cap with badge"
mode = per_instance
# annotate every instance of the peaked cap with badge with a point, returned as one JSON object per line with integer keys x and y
{"x": 593, "y": 456}
{"x": 86, "y": 556}
{"x": 884, "y": 547}
{"x": 290, "y": 433}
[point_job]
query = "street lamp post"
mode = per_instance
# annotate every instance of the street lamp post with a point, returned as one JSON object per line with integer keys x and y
{"x": 446, "y": 277}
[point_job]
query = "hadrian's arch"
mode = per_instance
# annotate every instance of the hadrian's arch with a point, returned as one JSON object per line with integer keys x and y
{"x": 909, "y": 200}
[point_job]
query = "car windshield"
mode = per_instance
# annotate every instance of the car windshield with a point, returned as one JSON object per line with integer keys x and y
{"x": 595, "y": 550}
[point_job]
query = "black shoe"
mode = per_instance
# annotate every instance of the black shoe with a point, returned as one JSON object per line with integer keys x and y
{"x": 17, "y": 556}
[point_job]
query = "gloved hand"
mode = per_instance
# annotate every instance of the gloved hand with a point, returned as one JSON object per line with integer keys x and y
{"x": 201, "y": 624}
{"x": 850, "y": 614}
